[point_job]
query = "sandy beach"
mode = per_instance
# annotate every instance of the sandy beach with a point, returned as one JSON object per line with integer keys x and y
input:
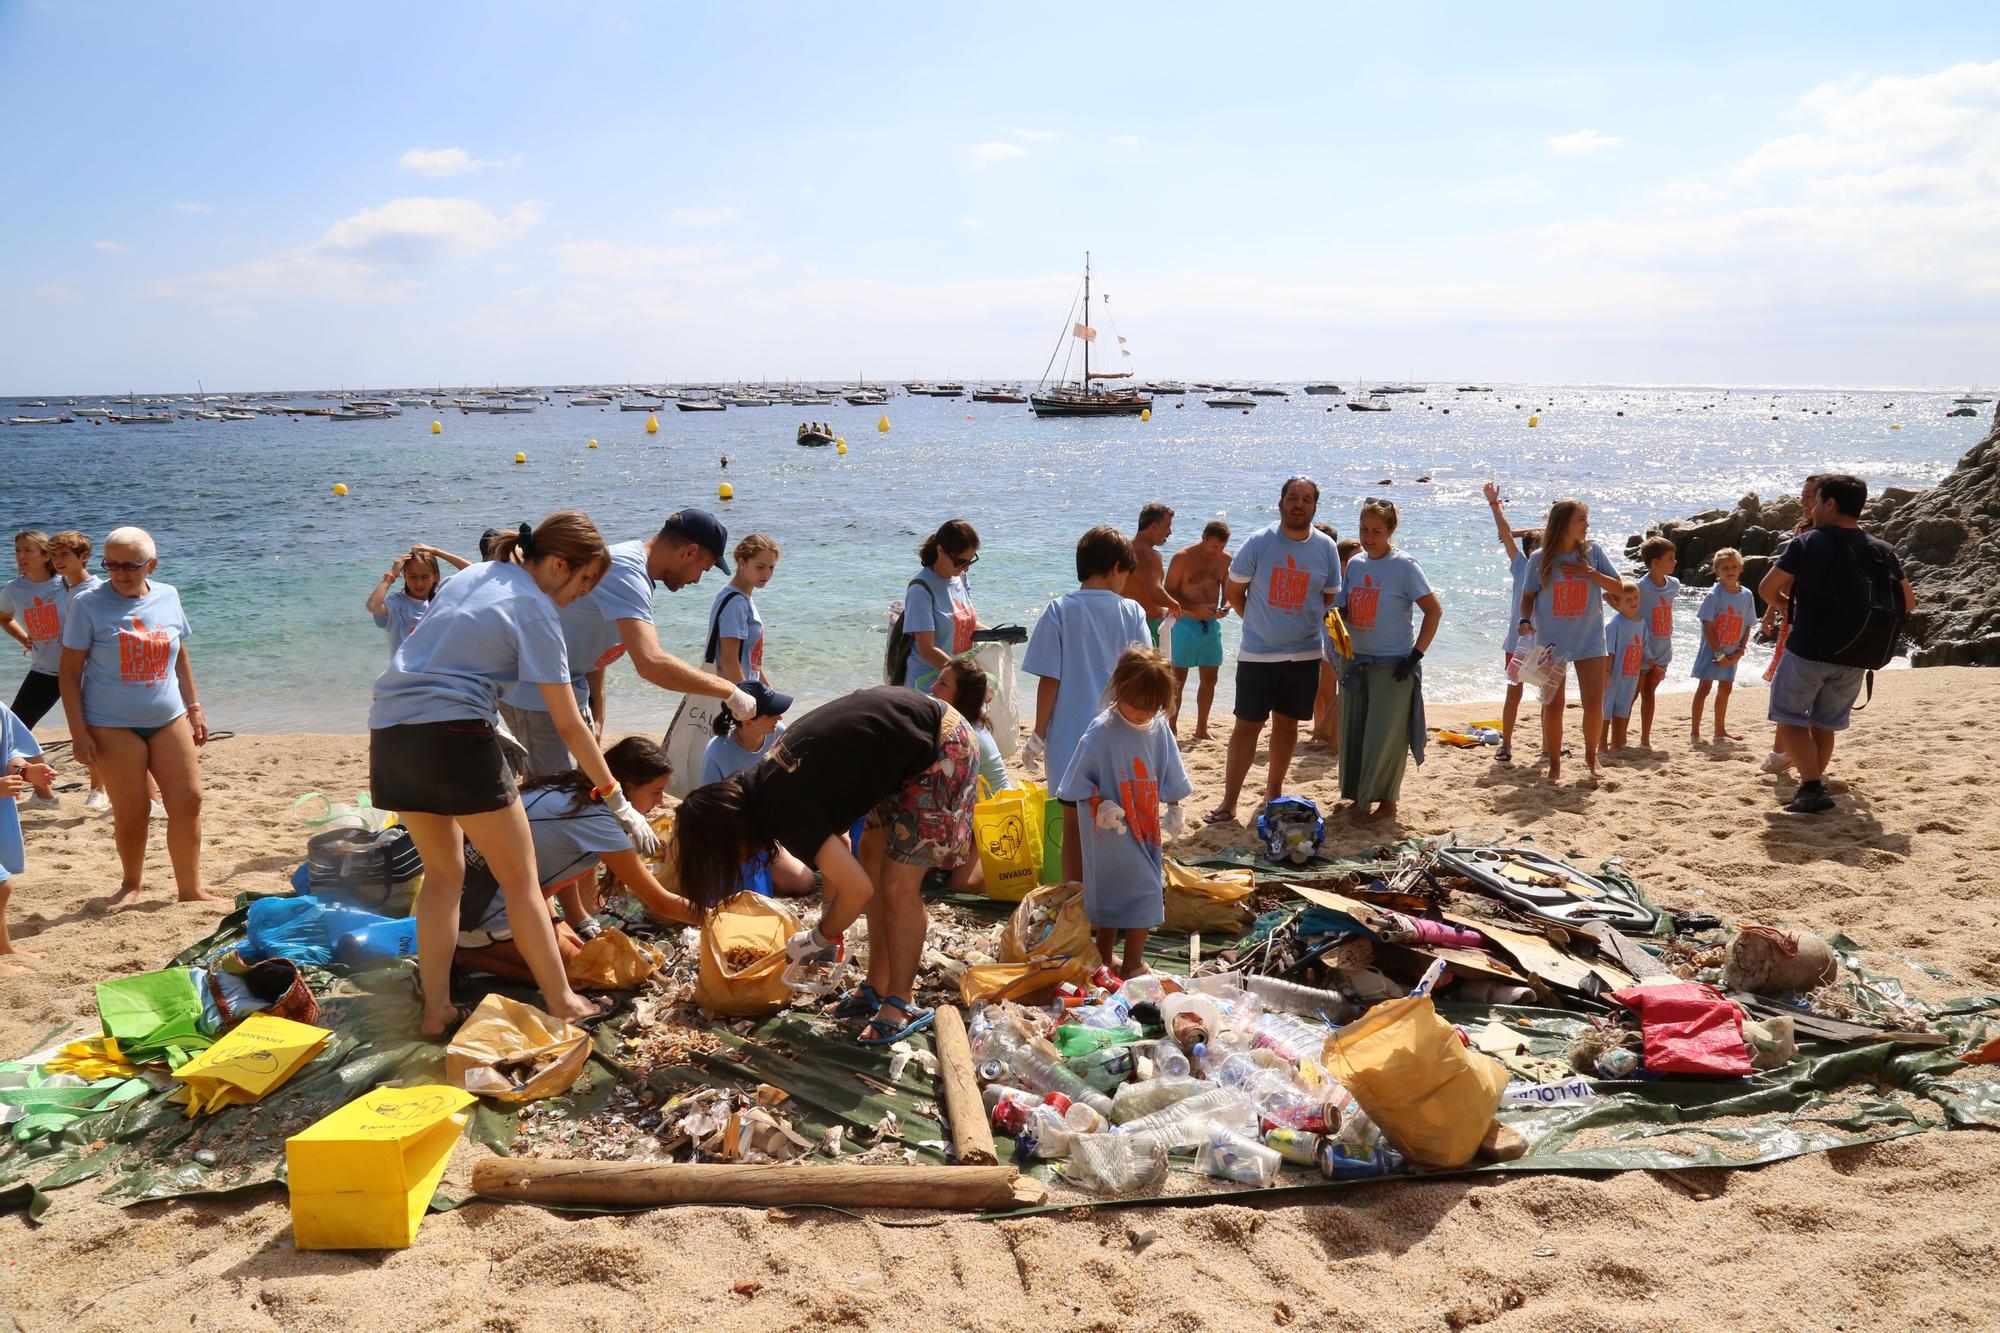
{"x": 1898, "y": 1235}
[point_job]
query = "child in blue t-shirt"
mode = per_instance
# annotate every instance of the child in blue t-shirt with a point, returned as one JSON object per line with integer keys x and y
{"x": 23, "y": 769}
{"x": 400, "y": 612}
{"x": 1074, "y": 648}
{"x": 1517, "y": 544}
{"x": 1657, "y": 592}
{"x": 1625, "y": 645}
{"x": 1126, "y": 768}
{"x": 1726, "y": 616}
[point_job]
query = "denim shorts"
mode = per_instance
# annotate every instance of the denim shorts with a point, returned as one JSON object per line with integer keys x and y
{"x": 1805, "y": 693}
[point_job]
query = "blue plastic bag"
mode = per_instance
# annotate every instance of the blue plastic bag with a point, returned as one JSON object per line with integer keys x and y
{"x": 1291, "y": 829}
{"x": 293, "y": 928}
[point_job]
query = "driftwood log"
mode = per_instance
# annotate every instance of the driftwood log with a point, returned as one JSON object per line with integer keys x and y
{"x": 532, "y": 1180}
{"x": 971, "y": 1135}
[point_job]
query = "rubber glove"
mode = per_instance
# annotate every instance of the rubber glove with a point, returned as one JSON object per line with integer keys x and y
{"x": 740, "y": 705}
{"x": 809, "y": 946}
{"x": 636, "y": 828}
{"x": 1409, "y": 664}
{"x": 1036, "y": 747}
{"x": 1111, "y": 817}
{"x": 587, "y": 929}
{"x": 1174, "y": 822}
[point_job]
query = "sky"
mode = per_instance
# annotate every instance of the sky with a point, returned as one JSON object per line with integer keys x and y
{"x": 263, "y": 196}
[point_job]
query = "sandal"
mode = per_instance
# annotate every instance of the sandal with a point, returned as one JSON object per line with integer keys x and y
{"x": 861, "y": 1002}
{"x": 916, "y": 1020}
{"x": 606, "y": 1007}
{"x": 1505, "y": 754}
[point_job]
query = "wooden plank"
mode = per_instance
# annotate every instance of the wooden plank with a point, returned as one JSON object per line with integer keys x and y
{"x": 534, "y": 1180}
{"x": 958, "y": 1083}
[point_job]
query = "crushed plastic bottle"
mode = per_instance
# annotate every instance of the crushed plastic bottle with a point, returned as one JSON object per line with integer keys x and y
{"x": 1169, "y": 1060}
{"x": 1139, "y": 1099}
{"x": 1186, "y": 1123}
{"x": 1046, "y": 1134}
{"x": 1116, "y": 1164}
{"x": 1229, "y": 1156}
{"x": 1290, "y": 1036}
{"x": 1307, "y": 1001}
{"x": 1103, "y": 1069}
{"x": 1038, "y": 1073}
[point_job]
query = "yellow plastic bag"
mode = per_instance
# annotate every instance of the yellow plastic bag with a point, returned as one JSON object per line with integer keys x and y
{"x": 254, "y": 1057}
{"x": 1007, "y": 830}
{"x": 513, "y": 1052}
{"x": 1030, "y": 983}
{"x": 1336, "y": 629}
{"x": 743, "y": 957}
{"x": 614, "y": 961}
{"x": 1214, "y": 902}
{"x": 362, "y": 1177}
{"x": 1049, "y": 923}
{"x": 1430, "y": 1095}
{"x": 666, "y": 867}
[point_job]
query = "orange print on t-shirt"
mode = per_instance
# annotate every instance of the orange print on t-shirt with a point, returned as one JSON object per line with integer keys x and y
{"x": 1663, "y": 617}
{"x": 1140, "y": 795}
{"x": 44, "y": 622}
{"x": 964, "y": 620}
{"x": 1630, "y": 660}
{"x": 1568, "y": 598}
{"x": 1287, "y": 591}
{"x": 1361, "y": 603}
{"x": 143, "y": 654}
{"x": 1729, "y": 628}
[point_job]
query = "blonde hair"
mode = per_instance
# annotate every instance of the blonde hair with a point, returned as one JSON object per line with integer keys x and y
{"x": 754, "y": 545}
{"x": 1627, "y": 588}
{"x": 1384, "y": 510}
{"x": 137, "y": 538}
{"x": 1143, "y": 678}
{"x": 1727, "y": 553}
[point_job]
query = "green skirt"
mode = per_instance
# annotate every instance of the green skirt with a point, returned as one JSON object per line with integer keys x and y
{"x": 1374, "y": 732}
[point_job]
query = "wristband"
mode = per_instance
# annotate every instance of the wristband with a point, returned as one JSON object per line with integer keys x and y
{"x": 599, "y": 793}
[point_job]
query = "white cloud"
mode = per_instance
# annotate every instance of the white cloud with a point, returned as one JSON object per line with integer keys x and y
{"x": 439, "y": 163}
{"x": 973, "y": 224}
{"x": 1038, "y": 136}
{"x": 995, "y": 150}
{"x": 54, "y": 291}
{"x": 1583, "y": 141}
{"x": 378, "y": 254}
{"x": 1127, "y": 141}
{"x": 195, "y": 208}
{"x": 108, "y": 247}
{"x": 701, "y": 217}
{"x": 605, "y": 259}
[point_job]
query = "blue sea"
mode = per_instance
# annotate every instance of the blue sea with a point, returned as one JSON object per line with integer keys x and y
{"x": 274, "y": 568}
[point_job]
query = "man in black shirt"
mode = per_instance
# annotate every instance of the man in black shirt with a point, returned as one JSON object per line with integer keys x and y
{"x": 1812, "y": 694}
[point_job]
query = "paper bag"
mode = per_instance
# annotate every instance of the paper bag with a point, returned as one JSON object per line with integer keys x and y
{"x": 361, "y": 1178}
{"x": 1429, "y": 1094}
{"x": 513, "y": 1052}
{"x": 1007, "y": 830}
{"x": 1029, "y": 983}
{"x": 256, "y": 1056}
{"x": 614, "y": 961}
{"x": 1213, "y": 902}
{"x": 743, "y": 957}
{"x": 1049, "y": 923}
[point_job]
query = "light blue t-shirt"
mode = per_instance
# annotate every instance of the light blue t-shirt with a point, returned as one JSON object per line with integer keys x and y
{"x": 39, "y": 605}
{"x": 991, "y": 766}
{"x": 1569, "y": 611}
{"x": 1656, "y": 613}
{"x": 725, "y": 757}
{"x": 624, "y": 593}
{"x": 568, "y": 842}
{"x": 400, "y": 615}
{"x": 1380, "y": 600}
{"x": 16, "y": 742}
{"x": 580, "y": 630}
{"x": 1517, "y": 573}
{"x": 134, "y": 644}
{"x": 488, "y": 628}
{"x": 739, "y": 620}
{"x": 1139, "y": 769}
{"x": 1291, "y": 585}
{"x": 1077, "y": 641}
{"x": 1730, "y": 614}
{"x": 941, "y": 607}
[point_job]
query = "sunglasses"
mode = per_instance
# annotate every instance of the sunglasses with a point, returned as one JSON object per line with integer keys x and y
{"x": 125, "y": 566}
{"x": 963, "y": 561}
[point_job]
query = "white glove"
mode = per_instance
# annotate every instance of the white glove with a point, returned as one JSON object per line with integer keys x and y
{"x": 1174, "y": 821}
{"x": 636, "y": 828}
{"x": 1110, "y": 817}
{"x": 740, "y": 705}
{"x": 809, "y": 946}
{"x": 1034, "y": 749}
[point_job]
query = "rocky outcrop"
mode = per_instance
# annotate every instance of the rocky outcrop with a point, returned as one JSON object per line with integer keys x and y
{"x": 1948, "y": 537}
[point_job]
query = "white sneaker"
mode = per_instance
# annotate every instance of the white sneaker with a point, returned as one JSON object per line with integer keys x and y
{"x": 1775, "y": 762}
{"x": 36, "y": 801}
{"x": 97, "y": 803}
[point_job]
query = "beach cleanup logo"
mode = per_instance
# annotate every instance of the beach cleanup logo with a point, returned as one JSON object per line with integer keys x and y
{"x": 43, "y": 620}
{"x": 1140, "y": 795}
{"x": 1569, "y": 595}
{"x": 143, "y": 654}
{"x": 1663, "y": 616}
{"x": 1729, "y": 628}
{"x": 1361, "y": 604}
{"x": 1629, "y": 661}
{"x": 1288, "y": 586}
{"x": 964, "y": 620}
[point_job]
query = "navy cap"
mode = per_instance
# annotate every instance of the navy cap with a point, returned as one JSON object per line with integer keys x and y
{"x": 703, "y": 529}
{"x": 770, "y": 702}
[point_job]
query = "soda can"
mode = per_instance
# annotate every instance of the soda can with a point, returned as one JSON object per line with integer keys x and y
{"x": 1106, "y": 978}
{"x": 1294, "y": 1145}
{"x": 1347, "y": 1161}
{"x": 1059, "y": 1102}
{"x": 1311, "y": 1119}
{"x": 1009, "y": 1117}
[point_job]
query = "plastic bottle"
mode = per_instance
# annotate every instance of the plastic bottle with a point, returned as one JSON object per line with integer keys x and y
{"x": 1045, "y": 1135}
{"x": 1229, "y": 1156}
{"x": 1103, "y": 1069}
{"x": 1169, "y": 1060}
{"x": 1144, "y": 989}
{"x": 1186, "y": 1123}
{"x": 1114, "y": 1012}
{"x": 1074, "y": 1039}
{"x": 1134, "y": 1100}
{"x": 1036, "y": 1072}
{"x": 1116, "y": 1164}
{"x": 1290, "y": 1036}
{"x": 995, "y": 1093}
{"x": 1309, "y": 1001}
{"x": 1082, "y": 1120}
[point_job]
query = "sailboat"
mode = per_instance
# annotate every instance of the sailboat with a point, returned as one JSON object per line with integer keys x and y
{"x": 1085, "y": 399}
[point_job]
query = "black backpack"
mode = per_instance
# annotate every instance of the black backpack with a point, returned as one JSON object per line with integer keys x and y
{"x": 896, "y": 656}
{"x": 1874, "y": 619}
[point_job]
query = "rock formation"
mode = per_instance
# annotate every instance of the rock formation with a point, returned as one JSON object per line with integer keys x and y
{"x": 1948, "y": 537}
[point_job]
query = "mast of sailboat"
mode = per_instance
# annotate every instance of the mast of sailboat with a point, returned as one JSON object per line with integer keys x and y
{"x": 1086, "y": 323}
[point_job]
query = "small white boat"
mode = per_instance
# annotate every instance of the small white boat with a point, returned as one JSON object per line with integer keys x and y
{"x": 643, "y": 405}
{"x": 590, "y": 400}
{"x": 745, "y": 400}
{"x": 1270, "y": 391}
{"x": 34, "y": 402}
{"x": 1367, "y": 403}
{"x": 142, "y": 418}
{"x": 377, "y": 406}
{"x": 1962, "y": 399}
{"x": 510, "y": 408}
{"x": 208, "y": 416}
{"x": 1169, "y": 387}
{"x": 1317, "y": 389}
{"x": 1230, "y": 400}
{"x": 867, "y": 398}
{"x": 701, "y": 405}
{"x": 1474, "y": 388}
{"x": 413, "y": 402}
{"x": 239, "y": 414}
{"x": 64, "y": 419}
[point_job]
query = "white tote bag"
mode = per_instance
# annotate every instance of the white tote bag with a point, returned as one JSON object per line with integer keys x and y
{"x": 693, "y": 726}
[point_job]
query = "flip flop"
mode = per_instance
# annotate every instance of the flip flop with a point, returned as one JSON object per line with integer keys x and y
{"x": 1219, "y": 816}
{"x": 606, "y": 1007}
{"x": 917, "y": 1021}
{"x": 861, "y": 1002}
{"x": 1505, "y": 754}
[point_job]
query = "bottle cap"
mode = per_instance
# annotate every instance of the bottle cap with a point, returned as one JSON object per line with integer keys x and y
{"x": 1057, "y": 1102}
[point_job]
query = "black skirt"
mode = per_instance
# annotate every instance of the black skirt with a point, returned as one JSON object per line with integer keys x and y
{"x": 439, "y": 768}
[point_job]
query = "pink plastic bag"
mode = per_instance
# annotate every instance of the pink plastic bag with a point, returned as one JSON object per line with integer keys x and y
{"x": 1688, "y": 1029}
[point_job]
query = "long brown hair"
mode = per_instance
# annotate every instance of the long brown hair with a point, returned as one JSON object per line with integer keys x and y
{"x": 954, "y": 536}
{"x": 1555, "y": 531}
{"x": 634, "y": 761}
{"x": 714, "y": 834}
{"x": 568, "y": 533}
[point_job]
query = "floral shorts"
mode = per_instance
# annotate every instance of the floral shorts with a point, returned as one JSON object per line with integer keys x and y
{"x": 929, "y": 822}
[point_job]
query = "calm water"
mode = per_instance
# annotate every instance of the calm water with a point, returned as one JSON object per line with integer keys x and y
{"x": 274, "y": 568}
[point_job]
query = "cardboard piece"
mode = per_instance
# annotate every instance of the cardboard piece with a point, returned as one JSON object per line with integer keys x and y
{"x": 362, "y": 1177}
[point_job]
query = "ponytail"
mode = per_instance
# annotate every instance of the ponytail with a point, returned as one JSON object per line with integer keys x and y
{"x": 567, "y": 533}
{"x": 955, "y": 536}
{"x": 634, "y": 762}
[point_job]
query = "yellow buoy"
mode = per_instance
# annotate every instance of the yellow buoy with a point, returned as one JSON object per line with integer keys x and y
{"x": 652, "y": 425}
{"x": 1534, "y": 421}
{"x": 840, "y": 447}
{"x": 1145, "y": 414}
{"x": 340, "y": 488}
{"x": 883, "y": 424}
{"x": 842, "y": 442}
{"x": 725, "y": 492}
{"x": 1893, "y": 427}
{"x": 520, "y": 458}
{"x": 593, "y": 444}
{"x": 437, "y": 428}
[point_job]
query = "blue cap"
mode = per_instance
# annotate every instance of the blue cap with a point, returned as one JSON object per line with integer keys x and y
{"x": 703, "y": 529}
{"x": 770, "y": 702}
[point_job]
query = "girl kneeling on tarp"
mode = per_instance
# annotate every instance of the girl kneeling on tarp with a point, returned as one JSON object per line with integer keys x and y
{"x": 573, "y": 835}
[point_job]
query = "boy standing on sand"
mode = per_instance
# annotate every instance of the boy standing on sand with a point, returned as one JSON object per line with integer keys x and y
{"x": 1148, "y": 583}
{"x": 1194, "y": 581}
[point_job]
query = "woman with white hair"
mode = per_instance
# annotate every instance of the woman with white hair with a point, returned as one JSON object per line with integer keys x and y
{"x": 128, "y": 691}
